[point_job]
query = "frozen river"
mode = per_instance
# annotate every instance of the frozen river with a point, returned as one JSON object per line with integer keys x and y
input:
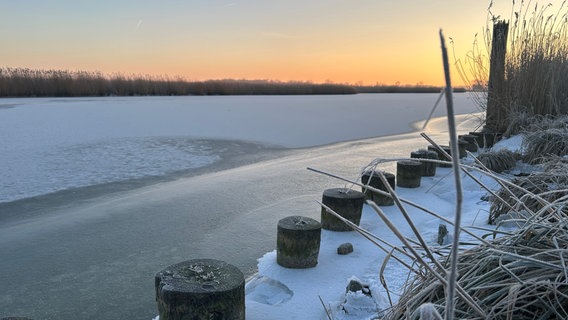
{"x": 142, "y": 183}
{"x": 48, "y": 145}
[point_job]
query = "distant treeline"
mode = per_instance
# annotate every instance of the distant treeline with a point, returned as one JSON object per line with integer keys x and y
{"x": 23, "y": 82}
{"x": 402, "y": 89}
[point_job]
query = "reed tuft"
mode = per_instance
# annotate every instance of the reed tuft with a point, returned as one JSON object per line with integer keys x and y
{"x": 499, "y": 161}
{"x": 540, "y": 145}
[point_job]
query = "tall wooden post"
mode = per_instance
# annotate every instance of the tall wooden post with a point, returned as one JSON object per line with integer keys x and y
{"x": 495, "y": 119}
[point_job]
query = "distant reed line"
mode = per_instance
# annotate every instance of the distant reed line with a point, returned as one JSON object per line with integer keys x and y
{"x": 25, "y": 82}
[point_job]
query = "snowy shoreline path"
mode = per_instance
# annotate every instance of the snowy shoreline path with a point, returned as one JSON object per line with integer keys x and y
{"x": 97, "y": 258}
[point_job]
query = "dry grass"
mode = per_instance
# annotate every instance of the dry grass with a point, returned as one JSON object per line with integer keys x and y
{"x": 24, "y": 82}
{"x": 523, "y": 122}
{"x": 499, "y": 161}
{"x": 525, "y": 197}
{"x": 520, "y": 276}
{"x": 542, "y": 144}
{"x": 547, "y": 190}
{"x": 537, "y": 60}
{"x": 536, "y": 66}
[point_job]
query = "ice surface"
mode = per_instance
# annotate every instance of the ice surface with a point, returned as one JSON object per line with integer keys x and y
{"x": 267, "y": 291}
{"x": 56, "y": 144}
{"x": 48, "y": 169}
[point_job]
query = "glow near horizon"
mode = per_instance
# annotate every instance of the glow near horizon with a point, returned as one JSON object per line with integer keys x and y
{"x": 343, "y": 41}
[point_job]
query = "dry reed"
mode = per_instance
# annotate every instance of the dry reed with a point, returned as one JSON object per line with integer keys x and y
{"x": 519, "y": 276}
{"x": 25, "y": 82}
{"x": 536, "y": 63}
{"x": 542, "y": 144}
{"x": 500, "y": 160}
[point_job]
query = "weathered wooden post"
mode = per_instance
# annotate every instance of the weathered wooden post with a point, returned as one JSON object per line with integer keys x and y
{"x": 441, "y": 156}
{"x": 347, "y": 203}
{"x": 200, "y": 289}
{"x": 298, "y": 242}
{"x": 496, "y": 108}
{"x": 408, "y": 173}
{"x": 428, "y": 168}
{"x": 471, "y": 139}
{"x": 372, "y": 179}
{"x": 462, "y": 148}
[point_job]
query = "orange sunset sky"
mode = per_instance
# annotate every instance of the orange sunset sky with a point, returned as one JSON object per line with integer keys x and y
{"x": 344, "y": 41}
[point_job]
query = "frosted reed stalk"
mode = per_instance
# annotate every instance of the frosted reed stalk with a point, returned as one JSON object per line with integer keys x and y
{"x": 453, "y": 274}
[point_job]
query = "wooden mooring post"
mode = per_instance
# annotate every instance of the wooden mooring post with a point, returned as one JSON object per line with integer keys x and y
{"x": 372, "y": 179}
{"x": 298, "y": 242}
{"x": 496, "y": 108}
{"x": 200, "y": 289}
{"x": 348, "y": 203}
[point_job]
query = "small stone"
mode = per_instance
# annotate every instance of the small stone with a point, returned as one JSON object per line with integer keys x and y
{"x": 345, "y": 248}
{"x": 355, "y": 285}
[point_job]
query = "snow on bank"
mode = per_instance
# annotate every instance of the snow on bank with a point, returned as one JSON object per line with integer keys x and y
{"x": 280, "y": 293}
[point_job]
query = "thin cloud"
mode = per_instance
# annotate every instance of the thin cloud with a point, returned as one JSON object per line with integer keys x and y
{"x": 138, "y": 25}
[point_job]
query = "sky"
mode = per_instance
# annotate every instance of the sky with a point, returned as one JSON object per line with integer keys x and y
{"x": 341, "y": 41}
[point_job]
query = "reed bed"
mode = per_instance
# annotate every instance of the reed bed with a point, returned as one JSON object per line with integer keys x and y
{"x": 25, "y": 82}
{"x": 537, "y": 60}
{"x": 519, "y": 276}
{"x": 536, "y": 63}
